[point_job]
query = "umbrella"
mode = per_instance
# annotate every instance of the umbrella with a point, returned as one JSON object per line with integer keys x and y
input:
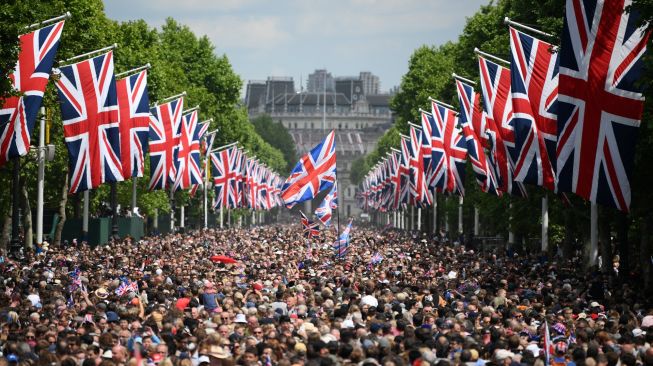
{"x": 222, "y": 259}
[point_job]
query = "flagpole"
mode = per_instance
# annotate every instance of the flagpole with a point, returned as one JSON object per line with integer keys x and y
{"x": 108, "y": 48}
{"x": 206, "y": 177}
{"x": 85, "y": 216}
{"x": 545, "y": 222}
{"x": 48, "y": 21}
{"x": 492, "y": 57}
{"x": 134, "y": 70}
{"x": 509, "y": 22}
{"x": 134, "y": 184}
{"x": 41, "y": 178}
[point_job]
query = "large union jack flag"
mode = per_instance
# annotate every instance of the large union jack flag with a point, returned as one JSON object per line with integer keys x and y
{"x": 495, "y": 84}
{"x": 534, "y": 90}
{"x": 315, "y": 172}
{"x": 89, "y": 110}
{"x": 455, "y": 150}
{"x": 223, "y": 165}
{"x": 404, "y": 172}
{"x": 418, "y": 187}
{"x": 134, "y": 107}
{"x": 164, "y": 124}
{"x": 330, "y": 203}
{"x": 600, "y": 104}
{"x": 435, "y": 151}
{"x": 189, "y": 171}
{"x": 30, "y": 77}
{"x": 473, "y": 121}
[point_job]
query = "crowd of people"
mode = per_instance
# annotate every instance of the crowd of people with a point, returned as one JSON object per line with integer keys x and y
{"x": 395, "y": 298}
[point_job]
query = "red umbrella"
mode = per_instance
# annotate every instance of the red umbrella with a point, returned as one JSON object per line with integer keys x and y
{"x": 222, "y": 259}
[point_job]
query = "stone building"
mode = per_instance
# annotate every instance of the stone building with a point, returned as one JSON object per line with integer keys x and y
{"x": 359, "y": 120}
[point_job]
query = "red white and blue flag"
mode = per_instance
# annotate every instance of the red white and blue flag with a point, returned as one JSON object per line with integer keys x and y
{"x": 189, "y": 171}
{"x": 134, "y": 114}
{"x": 330, "y": 203}
{"x": 455, "y": 149}
{"x": 432, "y": 130}
{"x": 311, "y": 228}
{"x": 404, "y": 172}
{"x": 164, "y": 124}
{"x": 224, "y": 177}
{"x": 495, "y": 84}
{"x": 89, "y": 109}
{"x": 473, "y": 121}
{"x": 600, "y": 102}
{"x": 418, "y": 187}
{"x": 315, "y": 172}
{"x": 534, "y": 90}
{"x": 341, "y": 245}
{"x": 30, "y": 77}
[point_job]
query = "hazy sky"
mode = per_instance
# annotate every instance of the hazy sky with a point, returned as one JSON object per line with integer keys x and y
{"x": 294, "y": 37}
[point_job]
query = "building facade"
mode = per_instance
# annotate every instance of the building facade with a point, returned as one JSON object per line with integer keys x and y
{"x": 359, "y": 120}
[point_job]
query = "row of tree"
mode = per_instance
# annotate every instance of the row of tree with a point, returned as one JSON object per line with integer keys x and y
{"x": 429, "y": 74}
{"x": 181, "y": 61}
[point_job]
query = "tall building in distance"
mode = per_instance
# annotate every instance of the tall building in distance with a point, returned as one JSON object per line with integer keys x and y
{"x": 371, "y": 83}
{"x": 317, "y": 79}
{"x": 359, "y": 114}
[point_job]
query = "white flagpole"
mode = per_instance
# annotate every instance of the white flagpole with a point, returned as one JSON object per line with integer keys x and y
{"x": 507, "y": 20}
{"x": 419, "y": 219}
{"x": 476, "y": 221}
{"x": 85, "y": 216}
{"x": 545, "y": 223}
{"x": 511, "y": 235}
{"x": 155, "y": 221}
{"x": 460, "y": 214}
{"x": 435, "y": 211}
{"x": 492, "y": 57}
{"x": 221, "y": 217}
{"x": 41, "y": 178}
{"x": 134, "y": 194}
{"x": 182, "y": 225}
{"x": 134, "y": 70}
{"x": 108, "y": 48}
{"x": 52, "y": 20}
{"x": 594, "y": 235}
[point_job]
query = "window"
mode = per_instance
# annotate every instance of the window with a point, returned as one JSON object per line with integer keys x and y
{"x": 295, "y": 125}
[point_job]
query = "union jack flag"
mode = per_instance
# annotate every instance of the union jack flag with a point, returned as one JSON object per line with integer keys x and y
{"x": 455, "y": 150}
{"x": 404, "y": 171}
{"x": 224, "y": 178}
{"x": 164, "y": 124}
{"x": 311, "y": 228}
{"x": 600, "y": 103}
{"x": 30, "y": 77}
{"x": 418, "y": 187}
{"x": 188, "y": 153}
{"x": 202, "y": 128}
{"x": 432, "y": 130}
{"x": 473, "y": 121}
{"x": 376, "y": 259}
{"x": 495, "y": 84}
{"x": 534, "y": 89}
{"x": 126, "y": 286}
{"x": 134, "y": 126}
{"x": 396, "y": 180}
{"x": 89, "y": 110}
{"x": 315, "y": 172}
{"x": 330, "y": 203}
{"x": 341, "y": 246}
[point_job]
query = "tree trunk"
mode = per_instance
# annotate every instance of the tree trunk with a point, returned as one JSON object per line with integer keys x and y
{"x": 6, "y": 233}
{"x": 62, "y": 211}
{"x": 27, "y": 220}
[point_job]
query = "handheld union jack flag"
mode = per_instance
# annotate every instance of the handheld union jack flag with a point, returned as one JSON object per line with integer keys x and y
{"x": 164, "y": 124}
{"x": 330, "y": 203}
{"x": 470, "y": 112}
{"x": 341, "y": 246}
{"x": 224, "y": 178}
{"x": 188, "y": 153}
{"x": 455, "y": 150}
{"x": 495, "y": 84}
{"x": 600, "y": 103}
{"x": 134, "y": 114}
{"x": 315, "y": 172}
{"x": 30, "y": 77}
{"x": 89, "y": 110}
{"x": 311, "y": 228}
{"x": 534, "y": 90}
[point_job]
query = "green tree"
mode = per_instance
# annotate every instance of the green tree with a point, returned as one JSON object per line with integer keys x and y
{"x": 278, "y": 137}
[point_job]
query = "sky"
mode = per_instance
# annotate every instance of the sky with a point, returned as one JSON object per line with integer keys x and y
{"x": 295, "y": 37}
